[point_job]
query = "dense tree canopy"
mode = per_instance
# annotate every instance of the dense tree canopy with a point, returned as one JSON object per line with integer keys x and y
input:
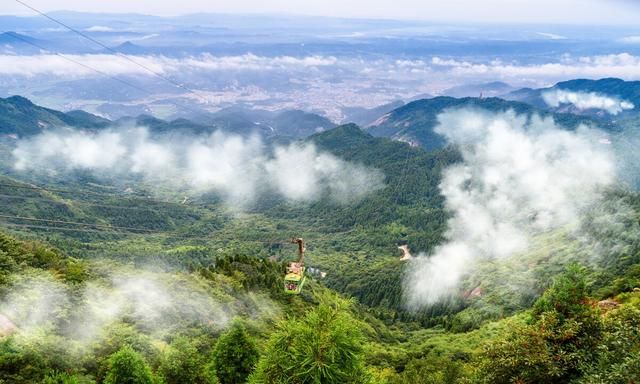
{"x": 235, "y": 355}
{"x": 326, "y": 346}
{"x": 128, "y": 367}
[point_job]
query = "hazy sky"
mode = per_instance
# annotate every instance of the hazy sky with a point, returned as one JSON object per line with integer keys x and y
{"x": 542, "y": 11}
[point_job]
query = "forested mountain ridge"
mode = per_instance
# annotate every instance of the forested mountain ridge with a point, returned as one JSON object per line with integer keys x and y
{"x": 187, "y": 265}
{"x": 19, "y": 116}
{"x": 414, "y": 122}
{"x": 608, "y": 87}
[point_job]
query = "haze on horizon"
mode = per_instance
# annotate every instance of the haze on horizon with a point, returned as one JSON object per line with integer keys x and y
{"x": 601, "y": 12}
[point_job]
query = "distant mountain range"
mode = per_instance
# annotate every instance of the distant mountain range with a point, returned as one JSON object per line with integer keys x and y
{"x": 20, "y": 117}
{"x": 492, "y": 89}
{"x": 609, "y": 87}
{"x": 17, "y": 43}
{"x": 412, "y": 123}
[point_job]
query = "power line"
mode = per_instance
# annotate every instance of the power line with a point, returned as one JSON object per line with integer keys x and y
{"x": 149, "y": 93}
{"x": 84, "y": 35}
{"x": 116, "y": 231}
{"x": 104, "y": 226}
{"x": 49, "y": 200}
{"x": 35, "y": 226}
{"x": 48, "y": 189}
{"x": 101, "y": 194}
{"x": 18, "y": 37}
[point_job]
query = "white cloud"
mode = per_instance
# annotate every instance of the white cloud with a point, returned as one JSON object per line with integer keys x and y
{"x": 302, "y": 173}
{"x": 621, "y": 65}
{"x": 586, "y": 100}
{"x": 80, "y": 150}
{"x": 154, "y": 301}
{"x": 238, "y": 168}
{"x": 54, "y": 65}
{"x": 519, "y": 177}
{"x": 551, "y": 36}
{"x": 630, "y": 39}
{"x": 99, "y": 28}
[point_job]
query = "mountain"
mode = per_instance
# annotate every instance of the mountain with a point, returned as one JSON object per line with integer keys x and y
{"x": 299, "y": 124}
{"x": 198, "y": 265}
{"x": 17, "y": 43}
{"x": 155, "y": 125}
{"x": 492, "y": 89}
{"x": 15, "y": 38}
{"x": 19, "y": 116}
{"x": 611, "y": 87}
{"x": 129, "y": 48}
{"x": 288, "y": 123}
{"x": 365, "y": 116}
{"x": 414, "y": 122}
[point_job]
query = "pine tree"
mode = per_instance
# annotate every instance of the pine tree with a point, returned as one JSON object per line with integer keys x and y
{"x": 127, "y": 367}
{"x": 184, "y": 364}
{"x": 234, "y": 356}
{"x": 326, "y": 346}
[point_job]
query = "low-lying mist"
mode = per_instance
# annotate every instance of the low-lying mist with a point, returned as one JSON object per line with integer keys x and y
{"x": 158, "y": 303}
{"x": 239, "y": 169}
{"x": 520, "y": 177}
{"x": 586, "y": 100}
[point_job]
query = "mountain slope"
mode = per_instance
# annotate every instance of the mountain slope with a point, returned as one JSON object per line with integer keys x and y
{"x": 611, "y": 87}
{"x": 414, "y": 122}
{"x": 299, "y": 124}
{"x": 19, "y": 116}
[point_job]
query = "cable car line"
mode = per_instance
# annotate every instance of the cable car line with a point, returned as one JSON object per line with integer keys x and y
{"x": 106, "y": 226}
{"x": 50, "y": 200}
{"x": 65, "y": 57}
{"x": 102, "y": 194}
{"x": 35, "y": 226}
{"x": 16, "y": 36}
{"x": 110, "y": 229}
{"x": 126, "y": 57}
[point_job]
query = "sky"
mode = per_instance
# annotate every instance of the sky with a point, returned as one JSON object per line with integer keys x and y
{"x": 610, "y": 12}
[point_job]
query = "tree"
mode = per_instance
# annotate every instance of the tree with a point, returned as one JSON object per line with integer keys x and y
{"x": 235, "y": 355}
{"x": 618, "y": 354}
{"x": 61, "y": 378}
{"x": 557, "y": 344}
{"x": 326, "y": 346}
{"x": 127, "y": 367}
{"x": 184, "y": 364}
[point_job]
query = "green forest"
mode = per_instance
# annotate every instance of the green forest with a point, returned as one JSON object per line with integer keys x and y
{"x": 161, "y": 290}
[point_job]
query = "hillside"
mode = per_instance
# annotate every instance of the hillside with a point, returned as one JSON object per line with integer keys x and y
{"x": 123, "y": 239}
{"x": 608, "y": 87}
{"x": 414, "y": 122}
{"x": 19, "y": 116}
{"x": 289, "y": 123}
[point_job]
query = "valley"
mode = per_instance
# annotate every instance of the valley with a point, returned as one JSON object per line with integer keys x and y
{"x": 319, "y": 192}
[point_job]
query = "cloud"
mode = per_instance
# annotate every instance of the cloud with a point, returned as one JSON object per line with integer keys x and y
{"x": 584, "y": 100}
{"x": 240, "y": 169}
{"x": 630, "y": 39}
{"x": 519, "y": 177}
{"x": 552, "y": 36}
{"x": 38, "y": 301}
{"x": 99, "y": 28}
{"x": 318, "y": 173}
{"x": 115, "y": 65}
{"x": 621, "y": 65}
{"x": 73, "y": 150}
{"x": 315, "y": 82}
